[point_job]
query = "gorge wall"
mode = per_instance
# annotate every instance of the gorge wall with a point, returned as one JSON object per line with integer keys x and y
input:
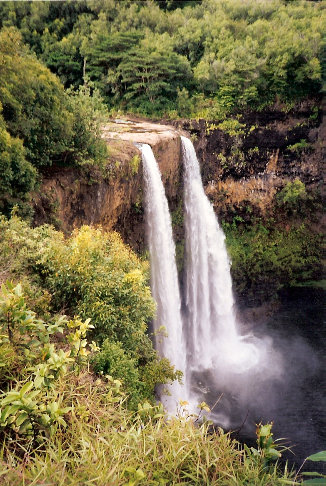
{"x": 245, "y": 161}
{"x": 111, "y": 195}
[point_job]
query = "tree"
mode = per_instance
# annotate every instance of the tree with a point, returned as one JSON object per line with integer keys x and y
{"x": 89, "y": 112}
{"x": 18, "y": 176}
{"x": 150, "y": 79}
{"x": 104, "y": 53}
{"x": 63, "y": 58}
{"x": 34, "y": 103}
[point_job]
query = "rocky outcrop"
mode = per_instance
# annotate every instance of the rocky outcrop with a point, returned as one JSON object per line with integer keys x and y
{"x": 111, "y": 195}
{"x": 246, "y": 163}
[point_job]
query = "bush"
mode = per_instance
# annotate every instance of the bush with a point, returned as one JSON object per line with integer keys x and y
{"x": 112, "y": 360}
{"x": 89, "y": 112}
{"x": 108, "y": 445}
{"x": 31, "y": 405}
{"x": 292, "y": 197}
{"x": 267, "y": 258}
{"x": 18, "y": 176}
{"x": 91, "y": 274}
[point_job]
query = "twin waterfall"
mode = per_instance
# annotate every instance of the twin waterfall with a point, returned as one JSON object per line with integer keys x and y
{"x": 209, "y": 298}
{"x": 204, "y": 337}
{"x": 169, "y": 335}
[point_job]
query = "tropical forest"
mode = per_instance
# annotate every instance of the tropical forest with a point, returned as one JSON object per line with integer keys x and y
{"x": 162, "y": 285}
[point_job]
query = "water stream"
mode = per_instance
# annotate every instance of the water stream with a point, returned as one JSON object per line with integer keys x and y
{"x": 168, "y": 324}
{"x": 213, "y": 339}
{"x": 256, "y": 376}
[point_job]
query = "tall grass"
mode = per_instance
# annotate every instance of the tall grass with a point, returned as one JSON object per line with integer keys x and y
{"x": 105, "y": 444}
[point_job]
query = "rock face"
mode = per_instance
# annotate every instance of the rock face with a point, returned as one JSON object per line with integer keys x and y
{"x": 112, "y": 195}
{"x": 243, "y": 167}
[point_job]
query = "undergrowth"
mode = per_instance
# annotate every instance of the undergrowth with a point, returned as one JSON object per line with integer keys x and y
{"x": 266, "y": 257}
{"x": 105, "y": 444}
{"x": 61, "y": 424}
{"x": 90, "y": 274}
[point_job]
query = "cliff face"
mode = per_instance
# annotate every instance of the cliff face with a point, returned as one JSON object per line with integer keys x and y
{"x": 112, "y": 195}
{"x": 246, "y": 163}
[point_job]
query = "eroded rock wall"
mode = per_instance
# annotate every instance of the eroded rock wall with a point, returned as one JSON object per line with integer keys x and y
{"x": 243, "y": 168}
{"x": 111, "y": 196}
{"x": 243, "y": 171}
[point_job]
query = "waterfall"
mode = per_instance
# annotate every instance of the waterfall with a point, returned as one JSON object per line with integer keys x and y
{"x": 205, "y": 343}
{"x": 164, "y": 277}
{"x": 213, "y": 340}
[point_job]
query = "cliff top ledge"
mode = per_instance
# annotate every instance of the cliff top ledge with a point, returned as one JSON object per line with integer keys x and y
{"x": 138, "y": 131}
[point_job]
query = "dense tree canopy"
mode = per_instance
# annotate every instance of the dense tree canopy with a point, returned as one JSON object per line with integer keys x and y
{"x": 33, "y": 101}
{"x": 205, "y": 58}
{"x": 142, "y": 54}
{"x": 40, "y": 123}
{"x": 18, "y": 176}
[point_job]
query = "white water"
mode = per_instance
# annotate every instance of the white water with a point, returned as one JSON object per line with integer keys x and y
{"x": 164, "y": 277}
{"x": 206, "y": 343}
{"x": 213, "y": 340}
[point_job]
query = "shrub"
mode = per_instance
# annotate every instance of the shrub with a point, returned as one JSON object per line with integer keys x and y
{"x": 292, "y": 196}
{"x": 112, "y": 360}
{"x": 91, "y": 274}
{"x": 32, "y": 405}
{"x": 299, "y": 146}
{"x": 266, "y": 258}
{"x": 107, "y": 445}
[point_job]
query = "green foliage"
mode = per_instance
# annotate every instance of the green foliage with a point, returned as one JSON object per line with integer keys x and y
{"x": 134, "y": 164}
{"x": 95, "y": 274}
{"x": 92, "y": 273}
{"x": 292, "y": 192}
{"x": 319, "y": 456}
{"x": 27, "y": 410}
{"x": 157, "y": 372}
{"x": 9, "y": 361}
{"x": 104, "y": 52}
{"x": 63, "y": 57}
{"x": 266, "y": 258}
{"x": 203, "y": 59}
{"x": 89, "y": 112}
{"x": 33, "y": 100}
{"x": 267, "y": 449}
{"x": 106, "y": 444}
{"x": 40, "y": 124}
{"x": 70, "y": 425}
{"x": 232, "y": 127}
{"x": 77, "y": 339}
{"x": 22, "y": 327}
{"x": 293, "y": 198}
{"x": 32, "y": 405}
{"x": 112, "y": 360}
{"x": 245, "y": 62}
{"x": 151, "y": 79}
{"x": 141, "y": 76}
{"x": 321, "y": 478}
{"x": 18, "y": 176}
{"x": 299, "y": 146}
